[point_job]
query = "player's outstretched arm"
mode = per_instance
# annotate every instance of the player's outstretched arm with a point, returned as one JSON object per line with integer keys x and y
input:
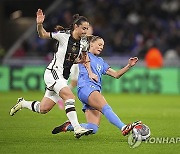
{"x": 40, "y": 29}
{"x": 119, "y": 73}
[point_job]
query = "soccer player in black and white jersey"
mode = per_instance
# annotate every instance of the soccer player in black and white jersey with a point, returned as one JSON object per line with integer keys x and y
{"x": 71, "y": 46}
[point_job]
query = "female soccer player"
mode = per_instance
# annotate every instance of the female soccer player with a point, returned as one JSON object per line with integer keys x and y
{"x": 89, "y": 91}
{"x": 74, "y": 72}
{"x": 70, "y": 47}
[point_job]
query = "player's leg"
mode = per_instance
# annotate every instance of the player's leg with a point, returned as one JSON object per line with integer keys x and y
{"x": 97, "y": 101}
{"x": 42, "y": 107}
{"x": 93, "y": 118}
{"x": 73, "y": 82}
{"x": 72, "y": 85}
{"x": 69, "y": 99}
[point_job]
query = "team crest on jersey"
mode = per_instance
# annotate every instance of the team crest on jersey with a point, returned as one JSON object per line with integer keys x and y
{"x": 98, "y": 67}
{"x": 73, "y": 48}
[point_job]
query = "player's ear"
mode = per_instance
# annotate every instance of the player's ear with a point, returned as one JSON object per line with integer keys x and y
{"x": 75, "y": 26}
{"x": 91, "y": 45}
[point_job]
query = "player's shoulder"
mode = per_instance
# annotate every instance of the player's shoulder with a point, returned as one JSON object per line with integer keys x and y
{"x": 65, "y": 32}
{"x": 95, "y": 57}
{"x": 100, "y": 59}
{"x": 62, "y": 32}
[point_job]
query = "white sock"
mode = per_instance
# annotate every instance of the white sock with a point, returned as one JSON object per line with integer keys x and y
{"x": 71, "y": 113}
{"x": 32, "y": 105}
{"x": 123, "y": 127}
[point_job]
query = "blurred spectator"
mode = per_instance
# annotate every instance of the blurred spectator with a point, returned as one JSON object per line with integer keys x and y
{"x": 21, "y": 51}
{"x": 171, "y": 55}
{"x": 127, "y": 26}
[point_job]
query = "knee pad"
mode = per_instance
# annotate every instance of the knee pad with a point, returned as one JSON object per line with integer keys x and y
{"x": 92, "y": 126}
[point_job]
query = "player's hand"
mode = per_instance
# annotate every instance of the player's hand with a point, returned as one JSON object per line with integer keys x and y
{"x": 84, "y": 44}
{"x": 93, "y": 77}
{"x": 40, "y": 16}
{"x": 133, "y": 61}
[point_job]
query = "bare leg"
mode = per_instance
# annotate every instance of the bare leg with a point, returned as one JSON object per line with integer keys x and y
{"x": 93, "y": 116}
{"x": 97, "y": 101}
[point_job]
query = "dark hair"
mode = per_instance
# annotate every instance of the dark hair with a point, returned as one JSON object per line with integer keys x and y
{"x": 77, "y": 19}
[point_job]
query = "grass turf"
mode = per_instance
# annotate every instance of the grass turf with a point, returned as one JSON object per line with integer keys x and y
{"x": 28, "y": 132}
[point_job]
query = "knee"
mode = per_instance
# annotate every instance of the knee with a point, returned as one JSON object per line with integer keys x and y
{"x": 94, "y": 127}
{"x": 66, "y": 95}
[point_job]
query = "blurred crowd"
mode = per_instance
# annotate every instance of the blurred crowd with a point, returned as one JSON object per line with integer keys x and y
{"x": 129, "y": 27}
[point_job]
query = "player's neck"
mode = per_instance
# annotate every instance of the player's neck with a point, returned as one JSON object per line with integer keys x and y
{"x": 75, "y": 36}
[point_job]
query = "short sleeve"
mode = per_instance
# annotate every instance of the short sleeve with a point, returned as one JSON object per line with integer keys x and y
{"x": 60, "y": 36}
{"x": 57, "y": 35}
{"x": 105, "y": 67}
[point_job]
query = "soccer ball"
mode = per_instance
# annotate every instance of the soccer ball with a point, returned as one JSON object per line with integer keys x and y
{"x": 141, "y": 132}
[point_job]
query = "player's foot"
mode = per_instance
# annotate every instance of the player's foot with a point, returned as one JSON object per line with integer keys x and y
{"x": 127, "y": 128}
{"x": 16, "y": 107}
{"x": 61, "y": 128}
{"x": 82, "y": 131}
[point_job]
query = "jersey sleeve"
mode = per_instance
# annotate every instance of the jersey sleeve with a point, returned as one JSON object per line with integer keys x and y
{"x": 105, "y": 67}
{"x": 59, "y": 36}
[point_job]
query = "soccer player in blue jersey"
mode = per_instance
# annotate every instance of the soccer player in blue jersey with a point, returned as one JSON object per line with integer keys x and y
{"x": 89, "y": 91}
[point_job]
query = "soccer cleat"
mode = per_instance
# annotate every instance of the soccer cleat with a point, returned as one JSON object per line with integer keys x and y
{"x": 61, "y": 128}
{"x": 127, "y": 128}
{"x": 82, "y": 131}
{"x": 16, "y": 107}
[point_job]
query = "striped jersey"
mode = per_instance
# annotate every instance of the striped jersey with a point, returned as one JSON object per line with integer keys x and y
{"x": 68, "y": 49}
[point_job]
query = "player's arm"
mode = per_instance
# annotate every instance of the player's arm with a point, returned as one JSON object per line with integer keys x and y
{"x": 88, "y": 67}
{"x": 40, "y": 29}
{"x": 119, "y": 73}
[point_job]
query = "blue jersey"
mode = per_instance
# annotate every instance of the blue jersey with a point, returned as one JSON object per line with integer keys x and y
{"x": 98, "y": 67}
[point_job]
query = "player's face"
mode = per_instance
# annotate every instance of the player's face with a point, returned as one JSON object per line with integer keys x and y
{"x": 82, "y": 29}
{"x": 97, "y": 46}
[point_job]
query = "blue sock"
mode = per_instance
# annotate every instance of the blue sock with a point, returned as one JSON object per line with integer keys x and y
{"x": 112, "y": 117}
{"x": 70, "y": 127}
{"x": 85, "y": 125}
{"x": 92, "y": 126}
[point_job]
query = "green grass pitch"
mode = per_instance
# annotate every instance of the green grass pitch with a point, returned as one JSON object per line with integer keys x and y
{"x": 29, "y": 132}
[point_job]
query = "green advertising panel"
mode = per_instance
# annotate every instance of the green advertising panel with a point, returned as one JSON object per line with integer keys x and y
{"x": 21, "y": 78}
{"x": 4, "y": 78}
{"x": 27, "y": 78}
{"x": 137, "y": 80}
{"x": 144, "y": 80}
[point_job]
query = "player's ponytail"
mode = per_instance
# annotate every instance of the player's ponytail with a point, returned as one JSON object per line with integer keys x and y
{"x": 59, "y": 28}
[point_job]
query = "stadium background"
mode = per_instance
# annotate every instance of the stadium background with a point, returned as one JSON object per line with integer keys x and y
{"x": 129, "y": 28}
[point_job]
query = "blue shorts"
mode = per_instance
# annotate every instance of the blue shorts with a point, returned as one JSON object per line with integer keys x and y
{"x": 84, "y": 93}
